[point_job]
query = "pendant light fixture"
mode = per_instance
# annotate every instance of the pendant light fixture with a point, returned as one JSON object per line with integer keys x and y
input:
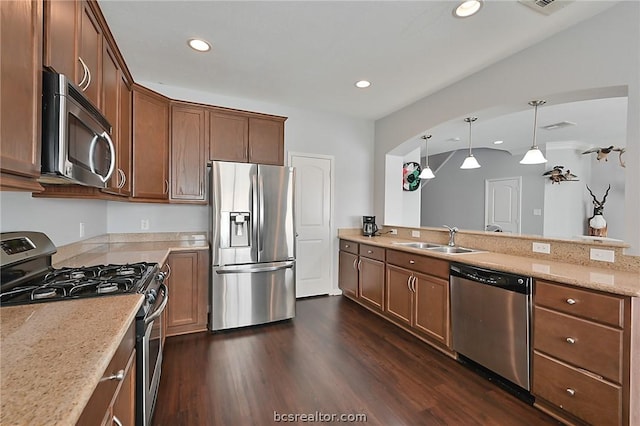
{"x": 534, "y": 155}
{"x": 470, "y": 162}
{"x": 426, "y": 173}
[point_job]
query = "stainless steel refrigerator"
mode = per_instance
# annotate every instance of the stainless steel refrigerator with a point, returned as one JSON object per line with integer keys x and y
{"x": 253, "y": 244}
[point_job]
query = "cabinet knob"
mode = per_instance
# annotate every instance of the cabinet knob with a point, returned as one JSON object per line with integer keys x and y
{"x": 369, "y": 251}
{"x": 119, "y": 376}
{"x": 347, "y": 246}
{"x": 571, "y": 392}
{"x": 571, "y": 301}
{"x": 570, "y": 340}
{"x": 412, "y": 262}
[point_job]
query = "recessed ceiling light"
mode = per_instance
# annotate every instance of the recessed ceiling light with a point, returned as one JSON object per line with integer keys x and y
{"x": 363, "y": 84}
{"x": 199, "y": 45}
{"x": 497, "y": 142}
{"x": 467, "y": 8}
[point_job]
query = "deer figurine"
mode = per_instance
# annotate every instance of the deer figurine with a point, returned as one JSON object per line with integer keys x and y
{"x": 597, "y": 223}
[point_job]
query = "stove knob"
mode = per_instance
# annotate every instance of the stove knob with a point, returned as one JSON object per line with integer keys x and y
{"x": 151, "y": 298}
{"x": 161, "y": 276}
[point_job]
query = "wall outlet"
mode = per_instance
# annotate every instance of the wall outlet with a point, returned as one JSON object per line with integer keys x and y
{"x": 144, "y": 224}
{"x": 602, "y": 255}
{"x": 537, "y": 212}
{"x": 415, "y": 234}
{"x": 81, "y": 229}
{"x": 542, "y": 248}
{"x": 393, "y": 231}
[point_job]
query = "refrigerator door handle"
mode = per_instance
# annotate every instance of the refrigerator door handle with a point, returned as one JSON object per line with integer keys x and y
{"x": 261, "y": 212}
{"x": 250, "y": 269}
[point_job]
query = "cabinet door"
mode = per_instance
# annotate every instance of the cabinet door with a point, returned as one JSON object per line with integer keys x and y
{"x": 399, "y": 294}
{"x": 124, "y": 135}
{"x": 431, "y": 307}
{"x": 228, "y": 137}
{"x": 124, "y": 406}
{"x": 187, "y": 284}
{"x": 372, "y": 282}
{"x": 90, "y": 51}
{"x": 60, "y": 24}
{"x": 20, "y": 85}
{"x": 348, "y": 274}
{"x": 110, "y": 106}
{"x": 150, "y": 144}
{"x": 188, "y": 160}
{"x": 266, "y": 141}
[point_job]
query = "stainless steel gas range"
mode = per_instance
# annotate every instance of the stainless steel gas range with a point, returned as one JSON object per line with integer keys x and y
{"x": 27, "y": 276}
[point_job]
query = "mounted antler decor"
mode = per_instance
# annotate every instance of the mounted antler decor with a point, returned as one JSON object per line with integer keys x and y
{"x": 597, "y": 223}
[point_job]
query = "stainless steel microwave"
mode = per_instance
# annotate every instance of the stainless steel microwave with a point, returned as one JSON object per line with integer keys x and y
{"x": 76, "y": 142}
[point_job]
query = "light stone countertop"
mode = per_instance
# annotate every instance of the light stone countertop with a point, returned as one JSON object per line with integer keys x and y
{"x": 608, "y": 280}
{"x": 131, "y": 252}
{"x": 52, "y": 355}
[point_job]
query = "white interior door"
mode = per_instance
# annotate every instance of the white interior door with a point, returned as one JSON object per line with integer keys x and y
{"x": 314, "y": 255}
{"x": 502, "y": 203}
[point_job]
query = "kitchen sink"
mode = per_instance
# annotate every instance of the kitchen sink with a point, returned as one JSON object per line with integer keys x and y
{"x": 419, "y": 245}
{"x": 453, "y": 250}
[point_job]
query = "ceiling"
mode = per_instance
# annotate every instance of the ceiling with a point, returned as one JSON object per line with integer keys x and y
{"x": 309, "y": 54}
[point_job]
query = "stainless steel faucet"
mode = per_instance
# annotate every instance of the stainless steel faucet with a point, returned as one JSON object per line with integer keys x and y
{"x": 452, "y": 235}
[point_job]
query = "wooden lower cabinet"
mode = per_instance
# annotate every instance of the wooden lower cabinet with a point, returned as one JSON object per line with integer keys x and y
{"x": 431, "y": 307}
{"x": 582, "y": 364}
{"x": 188, "y": 292}
{"x": 348, "y": 274}
{"x": 399, "y": 295}
{"x": 371, "y": 282}
{"x": 114, "y": 396}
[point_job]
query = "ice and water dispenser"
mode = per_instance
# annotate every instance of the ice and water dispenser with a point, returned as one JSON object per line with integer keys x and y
{"x": 239, "y": 229}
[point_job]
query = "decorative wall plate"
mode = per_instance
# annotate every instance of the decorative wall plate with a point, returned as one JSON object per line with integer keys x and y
{"x": 411, "y": 176}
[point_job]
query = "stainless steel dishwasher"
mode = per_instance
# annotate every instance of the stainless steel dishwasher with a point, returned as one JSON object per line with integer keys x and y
{"x": 491, "y": 321}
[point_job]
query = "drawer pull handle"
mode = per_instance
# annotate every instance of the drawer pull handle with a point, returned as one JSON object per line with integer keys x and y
{"x": 369, "y": 251}
{"x": 571, "y": 301}
{"x": 570, "y": 340}
{"x": 119, "y": 376}
{"x": 412, "y": 262}
{"x": 571, "y": 392}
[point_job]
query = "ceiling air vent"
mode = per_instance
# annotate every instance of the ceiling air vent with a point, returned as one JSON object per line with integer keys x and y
{"x": 559, "y": 125}
{"x": 546, "y": 7}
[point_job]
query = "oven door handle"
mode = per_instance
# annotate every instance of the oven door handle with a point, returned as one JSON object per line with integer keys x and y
{"x": 163, "y": 305}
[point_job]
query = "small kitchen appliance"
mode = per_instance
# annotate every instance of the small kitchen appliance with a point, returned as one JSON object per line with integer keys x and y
{"x": 369, "y": 227}
{"x": 27, "y": 277}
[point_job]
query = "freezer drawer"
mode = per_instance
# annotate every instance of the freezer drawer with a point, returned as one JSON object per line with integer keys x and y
{"x": 243, "y": 295}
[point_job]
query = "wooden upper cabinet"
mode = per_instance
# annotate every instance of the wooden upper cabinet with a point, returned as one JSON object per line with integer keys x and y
{"x": 266, "y": 141}
{"x": 61, "y": 20}
{"x": 124, "y": 142}
{"x": 110, "y": 106}
{"x": 90, "y": 54}
{"x": 188, "y": 157}
{"x": 242, "y": 137}
{"x": 150, "y": 144}
{"x": 228, "y": 137}
{"x": 20, "y": 85}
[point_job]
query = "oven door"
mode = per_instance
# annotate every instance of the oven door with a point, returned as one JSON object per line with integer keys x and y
{"x": 150, "y": 356}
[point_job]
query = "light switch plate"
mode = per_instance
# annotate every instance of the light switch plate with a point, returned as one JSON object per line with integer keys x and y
{"x": 415, "y": 234}
{"x": 542, "y": 248}
{"x": 602, "y": 255}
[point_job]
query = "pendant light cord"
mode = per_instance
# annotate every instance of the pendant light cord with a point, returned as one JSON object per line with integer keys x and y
{"x": 535, "y": 124}
{"x": 470, "y": 120}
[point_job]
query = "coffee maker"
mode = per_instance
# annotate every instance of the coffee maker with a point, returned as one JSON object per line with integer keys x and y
{"x": 369, "y": 227}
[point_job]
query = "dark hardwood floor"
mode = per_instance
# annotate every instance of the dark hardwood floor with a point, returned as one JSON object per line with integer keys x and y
{"x": 334, "y": 357}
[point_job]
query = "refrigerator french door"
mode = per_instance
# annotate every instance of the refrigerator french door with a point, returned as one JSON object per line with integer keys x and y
{"x": 252, "y": 239}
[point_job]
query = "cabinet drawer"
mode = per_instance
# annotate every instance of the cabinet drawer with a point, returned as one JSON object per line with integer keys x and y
{"x": 105, "y": 390}
{"x": 424, "y": 264}
{"x": 349, "y": 246}
{"x": 588, "y": 398}
{"x": 591, "y": 346}
{"x": 372, "y": 252}
{"x": 599, "y": 307}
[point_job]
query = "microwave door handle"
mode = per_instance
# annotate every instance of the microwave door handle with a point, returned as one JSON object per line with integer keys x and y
{"x": 92, "y": 148}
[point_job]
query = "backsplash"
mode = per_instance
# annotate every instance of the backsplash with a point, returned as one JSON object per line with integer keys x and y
{"x": 576, "y": 252}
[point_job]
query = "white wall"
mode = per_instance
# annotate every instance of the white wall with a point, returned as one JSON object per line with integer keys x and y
{"x": 600, "y": 52}
{"x": 126, "y": 217}
{"x": 58, "y": 218}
